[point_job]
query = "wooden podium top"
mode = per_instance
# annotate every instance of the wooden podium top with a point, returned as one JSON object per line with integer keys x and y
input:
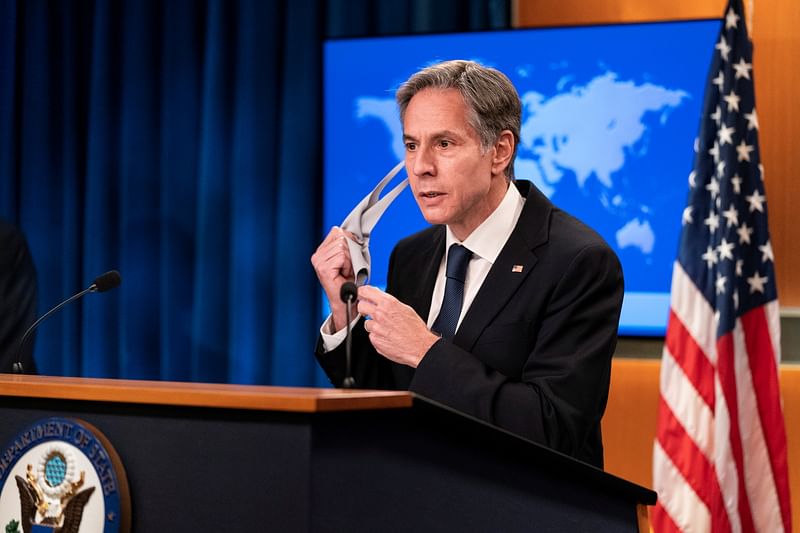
{"x": 295, "y": 399}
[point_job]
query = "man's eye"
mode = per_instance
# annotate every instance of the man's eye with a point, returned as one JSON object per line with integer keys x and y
{"x": 444, "y": 144}
{"x": 411, "y": 147}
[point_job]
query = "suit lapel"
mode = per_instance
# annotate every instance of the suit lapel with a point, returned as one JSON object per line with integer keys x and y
{"x": 505, "y": 277}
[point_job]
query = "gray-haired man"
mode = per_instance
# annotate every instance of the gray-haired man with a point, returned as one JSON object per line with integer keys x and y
{"x": 506, "y": 308}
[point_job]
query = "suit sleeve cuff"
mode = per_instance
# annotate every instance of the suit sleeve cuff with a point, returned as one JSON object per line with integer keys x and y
{"x": 330, "y": 339}
{"x": 428, "y": 377}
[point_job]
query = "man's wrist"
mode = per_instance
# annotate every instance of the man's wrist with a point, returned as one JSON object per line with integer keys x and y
{"x": 427, "y": 343}
{"x": 339, "y": 315}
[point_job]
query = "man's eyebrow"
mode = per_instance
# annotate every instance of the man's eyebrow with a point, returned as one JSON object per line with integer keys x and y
{"x": 435, "y": 136}
{"x": 446, "y": 133}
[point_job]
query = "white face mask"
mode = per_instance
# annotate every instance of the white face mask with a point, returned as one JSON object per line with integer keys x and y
{"x": 363, "y": 218}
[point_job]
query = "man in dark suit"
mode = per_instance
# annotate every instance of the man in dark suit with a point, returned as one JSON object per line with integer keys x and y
{"x": 507, "y": 308}
{"x": 17, "y": 298}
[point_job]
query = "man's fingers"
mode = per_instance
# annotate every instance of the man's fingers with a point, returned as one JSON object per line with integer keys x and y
{"x": 373, "y": 294}
{"x": 330, "y": 259}
{"x": 375, "y": 302}
{"x": 366, "y": 307}
{"x": 374, "y": 328}
{"x": 337, "y": 234}
{"x": 336, "y": 253}
{"x": 347, "y": 268}
{"x": 329, "y": 239}
{"x": 334, "y": 245}
{"x": 335, "y": 240}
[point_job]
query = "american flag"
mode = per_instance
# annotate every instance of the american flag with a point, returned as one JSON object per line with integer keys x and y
{"x": 719, "y": 460}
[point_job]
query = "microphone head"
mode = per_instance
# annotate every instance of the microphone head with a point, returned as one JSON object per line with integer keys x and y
{"x": 107, "y": 281}
{"x": 349, "y": 292}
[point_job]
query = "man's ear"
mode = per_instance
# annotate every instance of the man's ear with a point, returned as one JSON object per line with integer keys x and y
{"x": 503, "y": 150}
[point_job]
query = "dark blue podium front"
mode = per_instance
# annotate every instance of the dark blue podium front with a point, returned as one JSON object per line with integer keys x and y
{"x": 205, "y": 457}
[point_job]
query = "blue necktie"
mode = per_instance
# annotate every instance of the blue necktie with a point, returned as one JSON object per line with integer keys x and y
{"x": 457, "y": 261}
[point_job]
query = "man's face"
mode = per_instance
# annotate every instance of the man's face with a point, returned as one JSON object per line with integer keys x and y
{"x": 453, "y": 180}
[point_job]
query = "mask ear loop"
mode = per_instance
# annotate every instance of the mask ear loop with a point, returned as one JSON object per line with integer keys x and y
{"x": 363, "y": 218}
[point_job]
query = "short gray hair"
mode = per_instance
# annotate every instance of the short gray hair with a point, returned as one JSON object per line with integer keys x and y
{"x": 491, "y": 98}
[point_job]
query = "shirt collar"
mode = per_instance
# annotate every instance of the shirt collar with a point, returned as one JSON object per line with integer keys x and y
{"x": 488, "y": 239}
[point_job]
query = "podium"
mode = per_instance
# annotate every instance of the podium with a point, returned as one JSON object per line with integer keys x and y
{"x": 233, "y": 458}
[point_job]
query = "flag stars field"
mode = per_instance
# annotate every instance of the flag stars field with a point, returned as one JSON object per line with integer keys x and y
{"x": 756, "y": 201}
{"x": 756, "y": 283}
{"x": 744, "y": 233}
{"x": 766, "y": 252}
{"x": 712, "y": 222}
{"x": 731, "y": 216}
{"x": 714, "y": 152}
{"x": 721, "y": 280}
{"x": 725, "y": 249}
{"x": 716, "y": 116}
{"x": 723, "y": 48}
{"x": 687, "y": 216}
{"x": 742, "y": 69}
{"x": 743, "y": 151}
{"x": 725, "y": 135}
{"x": 710, "y": 257}
{"x": 719, "y": 81}
{"x": 713, "y": 187}
{"x": 752, "y": 120}
{"x": 731, "y": 19}
{"x": 732, "y": 99}
{"x": 736, "y": 181}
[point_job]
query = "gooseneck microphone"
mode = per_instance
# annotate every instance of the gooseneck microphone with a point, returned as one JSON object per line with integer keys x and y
{"x": 348, "y": 293}
{"x": 102, "y": 283}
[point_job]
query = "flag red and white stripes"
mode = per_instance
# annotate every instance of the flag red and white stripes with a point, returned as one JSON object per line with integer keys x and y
{"x": 719, "y": 468}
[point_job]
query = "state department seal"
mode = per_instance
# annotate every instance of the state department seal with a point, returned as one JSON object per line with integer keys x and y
{"x": 62, "y": 476}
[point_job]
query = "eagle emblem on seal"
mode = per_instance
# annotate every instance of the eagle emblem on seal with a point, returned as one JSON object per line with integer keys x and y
{"x": 50, "y": 494}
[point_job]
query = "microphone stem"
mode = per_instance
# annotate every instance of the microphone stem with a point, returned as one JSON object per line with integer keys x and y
{"x": 18, "y": 367}
{"x": 347, "y": 347}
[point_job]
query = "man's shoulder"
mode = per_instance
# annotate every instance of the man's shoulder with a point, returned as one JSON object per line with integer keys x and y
{"x": 556, "y": 228}
{"x": 571, "y": 232}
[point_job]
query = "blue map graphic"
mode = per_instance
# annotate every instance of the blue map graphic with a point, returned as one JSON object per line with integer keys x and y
{"x": 610, "y": 114}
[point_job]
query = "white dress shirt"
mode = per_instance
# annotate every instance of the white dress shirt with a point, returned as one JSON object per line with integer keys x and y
{"x": 485, "y": 243}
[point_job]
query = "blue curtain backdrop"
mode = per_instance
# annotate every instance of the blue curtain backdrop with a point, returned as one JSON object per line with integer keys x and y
{"x": 178, "y": 141}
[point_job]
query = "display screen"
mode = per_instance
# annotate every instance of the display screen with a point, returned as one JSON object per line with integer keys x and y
{"x": 610, "y": 115}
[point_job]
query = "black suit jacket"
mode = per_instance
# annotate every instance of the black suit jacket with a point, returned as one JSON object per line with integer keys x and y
{"x": 17, "y": 298}
{"x": 533, "y": 353}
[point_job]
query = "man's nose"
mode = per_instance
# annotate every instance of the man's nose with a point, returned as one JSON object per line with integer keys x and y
{"x": 423, "y": 163}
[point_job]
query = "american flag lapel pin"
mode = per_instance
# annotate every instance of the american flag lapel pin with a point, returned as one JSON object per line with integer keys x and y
{"x": 516, "y": 268}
